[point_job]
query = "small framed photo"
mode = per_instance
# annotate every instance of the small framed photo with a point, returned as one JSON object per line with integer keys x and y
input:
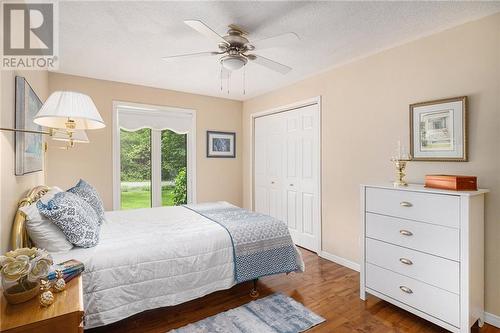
{"x": 221, "y": 144}
{"x": 438, "y": 130}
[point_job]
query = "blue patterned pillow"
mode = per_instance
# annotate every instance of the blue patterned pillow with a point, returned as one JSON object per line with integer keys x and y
{"x": 88, "y": 193}
{"x": 74, "y": 216}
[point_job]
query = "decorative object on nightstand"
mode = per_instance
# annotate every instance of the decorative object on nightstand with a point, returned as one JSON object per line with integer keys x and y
{"x": 400, "y": 160}
{"x": 423, "y": 251}
{"x": 60, "y": 284}
{"x": 46, "y": 297}
{"x": 21, "y": 271}
{"x": 65, "y": 315}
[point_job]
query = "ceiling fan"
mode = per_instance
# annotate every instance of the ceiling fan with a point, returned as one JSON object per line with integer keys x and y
{"x": 234, "y": 48}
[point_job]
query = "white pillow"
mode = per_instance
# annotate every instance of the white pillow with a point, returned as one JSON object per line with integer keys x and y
{"x": 44, "y": 233}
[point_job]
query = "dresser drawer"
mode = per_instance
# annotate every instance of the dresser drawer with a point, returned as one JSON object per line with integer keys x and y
{"x": 436, "y": 271}
{"x": 429, "y": 238}
{"x": 432, "y": 208}
{"x": 426, "y": 298}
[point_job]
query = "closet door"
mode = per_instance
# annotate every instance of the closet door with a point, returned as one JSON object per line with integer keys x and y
{"x": 268, "y": 164}
{"x": 261, "y": 186}
{"x": 286, "y": 171}
{"x": 275, "y": 142}
{"x": 308, "y": 178}
{"x": 291, "y": 170}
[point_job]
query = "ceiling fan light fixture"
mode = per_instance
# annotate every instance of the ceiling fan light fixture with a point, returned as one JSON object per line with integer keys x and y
{"x": 233, "y": 62}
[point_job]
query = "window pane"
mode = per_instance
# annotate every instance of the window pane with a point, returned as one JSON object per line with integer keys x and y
{"x": 135, "y": 160}
{"x": 173, "y": 168}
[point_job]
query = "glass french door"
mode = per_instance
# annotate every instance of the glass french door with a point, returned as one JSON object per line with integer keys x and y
{"x": 173, "y": 171}
{"x": 153, "y": 168}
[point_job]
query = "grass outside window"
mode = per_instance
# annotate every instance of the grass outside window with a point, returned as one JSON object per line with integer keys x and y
{"x": 140, "y": 197}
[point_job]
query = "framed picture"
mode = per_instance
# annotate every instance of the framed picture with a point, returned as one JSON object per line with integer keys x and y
{"x": 221, "y": 144}
{"x": 29, "y": 151}
{"x": 438, "y": 130}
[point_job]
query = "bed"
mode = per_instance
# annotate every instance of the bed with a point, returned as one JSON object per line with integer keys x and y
{"x": 154, "y": 257}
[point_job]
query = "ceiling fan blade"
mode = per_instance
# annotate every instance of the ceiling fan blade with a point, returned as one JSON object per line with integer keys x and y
{"x": 271, "y": 64}
{"x": 276, "y": 41}
{"x": 205, "y": 30}
{"x": 188, "y": 56}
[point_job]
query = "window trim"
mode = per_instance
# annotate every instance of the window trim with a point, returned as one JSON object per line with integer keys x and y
{"x": 155, "y": 146}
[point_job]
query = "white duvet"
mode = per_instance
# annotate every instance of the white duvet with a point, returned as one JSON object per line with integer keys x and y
{"x": 150, "y": 258}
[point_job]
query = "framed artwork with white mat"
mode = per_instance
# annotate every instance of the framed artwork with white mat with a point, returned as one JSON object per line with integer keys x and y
{"x": 438, "y": 130}
{"x": 221, "y": 144}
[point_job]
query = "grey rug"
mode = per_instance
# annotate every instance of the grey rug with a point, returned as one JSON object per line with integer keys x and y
{"x": 276, "y": 313}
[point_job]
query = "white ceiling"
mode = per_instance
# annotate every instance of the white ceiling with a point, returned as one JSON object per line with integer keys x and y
{"x": 124, "y": 41}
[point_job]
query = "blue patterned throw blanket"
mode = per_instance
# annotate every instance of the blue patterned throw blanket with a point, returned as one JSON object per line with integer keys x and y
{"x": 262, "y": 244}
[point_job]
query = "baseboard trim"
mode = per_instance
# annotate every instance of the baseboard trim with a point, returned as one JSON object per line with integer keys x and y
{"x": 490, "y": 318}
{"x": 339, "y": 260}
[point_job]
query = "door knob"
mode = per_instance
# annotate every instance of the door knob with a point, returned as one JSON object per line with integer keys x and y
{"x": 291, "y": 184}
{"x": 272, "y": 182}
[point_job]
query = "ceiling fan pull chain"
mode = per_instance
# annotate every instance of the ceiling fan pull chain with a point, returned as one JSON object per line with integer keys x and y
{"x": 221, "y": 78}
{"x": 244, "y": 80}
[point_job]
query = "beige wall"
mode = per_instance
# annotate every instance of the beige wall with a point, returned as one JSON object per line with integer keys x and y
{"x": 365, "y": 111}
{"x": 13, "y": 187}
{"x": 217, "y": 179}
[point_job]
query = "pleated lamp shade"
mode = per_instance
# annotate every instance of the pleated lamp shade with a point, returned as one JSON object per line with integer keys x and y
{"x": 63, "y": 107}
{"x": 78, "y": 136}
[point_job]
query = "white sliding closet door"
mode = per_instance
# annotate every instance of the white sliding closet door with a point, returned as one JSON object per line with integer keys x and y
{"x": 269, "y": 165}
{"x": 286, "y": 171}
{"x": 261, "y": 182}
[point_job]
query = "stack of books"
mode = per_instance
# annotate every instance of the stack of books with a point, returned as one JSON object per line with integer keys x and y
{"x": 69, "y": 268}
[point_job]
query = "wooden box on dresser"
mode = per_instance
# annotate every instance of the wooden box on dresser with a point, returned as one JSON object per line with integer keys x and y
{"x": 423, "y": 250}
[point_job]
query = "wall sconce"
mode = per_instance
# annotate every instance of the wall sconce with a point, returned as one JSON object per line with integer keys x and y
{"x": 78, "y": 136}
{"x": 67, "y": 114}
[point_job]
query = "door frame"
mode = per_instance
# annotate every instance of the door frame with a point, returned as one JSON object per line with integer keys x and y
{"x": 289, "y": 107}
{"x": 191, "y": 147}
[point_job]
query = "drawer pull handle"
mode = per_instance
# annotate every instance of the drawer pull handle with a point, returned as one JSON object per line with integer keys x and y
{"x": 406, "y": 261}
{"x": 406, "y": 204}
{"x": 406, "y": 289}
{"x": 406, "y": 232}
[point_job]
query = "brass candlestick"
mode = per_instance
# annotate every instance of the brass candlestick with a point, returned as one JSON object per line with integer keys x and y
{"x": 400, "y": 164}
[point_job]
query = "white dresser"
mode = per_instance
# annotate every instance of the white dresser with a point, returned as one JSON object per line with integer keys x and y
{"x": 423, "y": 250}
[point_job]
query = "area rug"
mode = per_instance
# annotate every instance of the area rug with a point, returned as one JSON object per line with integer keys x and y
{"x": 276, "y": 313}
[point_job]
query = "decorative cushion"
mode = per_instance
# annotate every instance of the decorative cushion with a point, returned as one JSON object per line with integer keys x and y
{"x": 74, "y": 216}
{"x": 50, "y": 195}
{"x": 88, "y": 193}
{"x": 45, "y": 234}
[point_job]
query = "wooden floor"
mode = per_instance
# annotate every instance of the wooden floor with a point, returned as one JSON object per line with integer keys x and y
{"x": 326, "y": 288}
